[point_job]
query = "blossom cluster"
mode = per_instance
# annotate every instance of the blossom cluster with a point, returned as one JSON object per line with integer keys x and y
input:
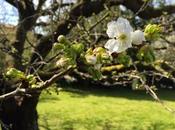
{"x": 122, "y": 36}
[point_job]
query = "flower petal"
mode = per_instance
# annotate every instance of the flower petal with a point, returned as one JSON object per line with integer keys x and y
{"x": 122, "y": 46}
{"x": 123, "y": 25}
{"x": 111, "y": 45}
{"x": 137, "y": 37}
{"x": 112, "y": 29}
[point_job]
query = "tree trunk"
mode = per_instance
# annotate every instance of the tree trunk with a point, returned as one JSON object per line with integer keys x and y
{"x": 19, "y": 113}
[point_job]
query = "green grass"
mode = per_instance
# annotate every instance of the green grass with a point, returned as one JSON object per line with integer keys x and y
{"x": 105, "y": 110}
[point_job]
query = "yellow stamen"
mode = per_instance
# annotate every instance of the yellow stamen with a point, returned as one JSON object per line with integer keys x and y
{"x": 122, "y": 37}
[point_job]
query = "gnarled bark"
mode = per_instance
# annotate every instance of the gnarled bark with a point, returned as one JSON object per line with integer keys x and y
{"x": 20, "y": 115}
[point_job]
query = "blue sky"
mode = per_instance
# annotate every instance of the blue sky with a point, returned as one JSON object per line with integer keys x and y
{"x": 9, "y": 15}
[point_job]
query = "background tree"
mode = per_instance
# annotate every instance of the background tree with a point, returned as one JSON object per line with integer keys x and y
{"x": 36, "y": 65}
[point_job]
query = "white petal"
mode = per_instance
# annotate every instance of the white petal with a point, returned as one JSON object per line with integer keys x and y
{"x": 137, "y": 37}
{"x": 122, "y": 46}
{"x": 128, "y": 41}
{"x": 111, "y": 45}
{"x": 112, "y": 29}
{"x": 91, "y": 59}
{"x": 124, "y": 25}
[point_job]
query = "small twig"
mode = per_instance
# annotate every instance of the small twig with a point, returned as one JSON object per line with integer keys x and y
{"x": 153, "y": 94}
{"x": 99, "y": 21}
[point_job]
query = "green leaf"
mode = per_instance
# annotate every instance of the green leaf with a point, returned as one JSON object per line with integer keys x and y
{"x": 14, "y": 73}
{"x": 146, "y": 54}
{"x": 96, "y": 74}
{"x": 58, "y": 46}
{"x": 124, "y": 59}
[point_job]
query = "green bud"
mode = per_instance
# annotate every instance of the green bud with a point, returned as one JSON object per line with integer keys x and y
{"x": 106, "y": 56}
{"x": 37, "y": 85}
{"x": 152, "y": 31}
{"x": 14, "y": 73}
{"x": 89, "y": 51}
{"x": 78, "y": 48}
{"x": 58, "y": 46}
{"x": 62, "y": 39}
{"x": 99, "y": 50}
{"x": 31, "y": 79}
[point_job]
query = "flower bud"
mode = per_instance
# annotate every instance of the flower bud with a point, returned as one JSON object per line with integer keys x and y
{"x": 61, "y": 39}
{"x": 91, "y": 59}
{"x": 152, "y": 31}
{"x": 137, "y": 37}
{"x": 31, "y": 79}
{"x": 58, "y": 46}
{"x": 99, "y": 50}
{"x": 89, "y": 51}
{"x": 78, "y": 47}
{"x": 62, "y": 62}
{"x": 14, "y": 73}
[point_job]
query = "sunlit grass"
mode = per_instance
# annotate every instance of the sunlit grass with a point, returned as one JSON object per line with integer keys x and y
{"x": 105, "y": 110}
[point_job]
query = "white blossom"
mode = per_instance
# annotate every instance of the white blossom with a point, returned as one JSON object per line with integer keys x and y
{"x": 120, "y": 32}
{"x": 91, "y": 59}
{"x": 137, "y": 37}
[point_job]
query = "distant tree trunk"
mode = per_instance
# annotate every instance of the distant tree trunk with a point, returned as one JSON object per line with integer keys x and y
{"x": 17, "y": 115}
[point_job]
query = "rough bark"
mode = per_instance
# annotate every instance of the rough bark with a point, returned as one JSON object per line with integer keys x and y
{"x": 20, "y": 115}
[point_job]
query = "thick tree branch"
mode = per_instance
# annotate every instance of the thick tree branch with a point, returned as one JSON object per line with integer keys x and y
{"x": 27, "y": 19}
{"x": 17, "y": 4}
{"x": 40, "y": 4}
{"x": 149, "y": 12}
{"x": 26, "y": 91}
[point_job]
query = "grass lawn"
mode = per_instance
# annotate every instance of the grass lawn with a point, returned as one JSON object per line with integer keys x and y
{"x": 105, "y": 110}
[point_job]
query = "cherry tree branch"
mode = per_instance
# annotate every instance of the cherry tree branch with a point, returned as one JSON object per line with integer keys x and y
{"x": 29, "y": 91}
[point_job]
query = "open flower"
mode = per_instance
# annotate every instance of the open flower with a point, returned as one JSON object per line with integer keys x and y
{"x": 120, "y": 32}
{"x": 137, "y": 37}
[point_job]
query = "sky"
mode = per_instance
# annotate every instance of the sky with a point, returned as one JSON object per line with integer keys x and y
{"x": 9, "y": 15}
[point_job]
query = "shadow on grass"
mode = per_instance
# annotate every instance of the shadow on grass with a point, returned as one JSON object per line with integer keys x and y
{"x": 49, "y": 98}
{"x": 80, "y": 92}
